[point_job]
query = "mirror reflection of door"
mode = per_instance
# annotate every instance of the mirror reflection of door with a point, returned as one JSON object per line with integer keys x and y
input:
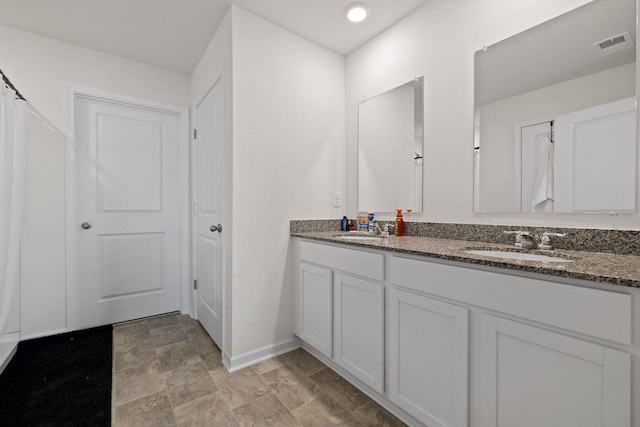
{"x": 536, "y": 160}
{"x": 597, "y": 147}
{"x": 583, "y": 59}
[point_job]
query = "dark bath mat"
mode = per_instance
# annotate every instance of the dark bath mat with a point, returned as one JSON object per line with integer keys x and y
{"x": 63, "y": 380}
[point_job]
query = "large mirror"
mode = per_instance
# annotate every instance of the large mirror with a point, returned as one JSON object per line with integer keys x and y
{"x": 390, "y": 149}
{"x": 555, "y": 115}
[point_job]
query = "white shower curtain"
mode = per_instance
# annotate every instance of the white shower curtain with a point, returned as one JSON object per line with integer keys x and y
{"x": 12, "y": 173}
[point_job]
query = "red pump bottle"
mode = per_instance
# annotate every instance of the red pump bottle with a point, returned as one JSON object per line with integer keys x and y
{"x": 399, "y": 223}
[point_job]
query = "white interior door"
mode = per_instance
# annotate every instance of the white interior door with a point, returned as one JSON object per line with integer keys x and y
{"x": 127, "y": 210}
{"x": 209, "y": 176}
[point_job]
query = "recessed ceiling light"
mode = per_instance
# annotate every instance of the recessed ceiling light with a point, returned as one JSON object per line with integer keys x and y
{"x": 357, "y": 12}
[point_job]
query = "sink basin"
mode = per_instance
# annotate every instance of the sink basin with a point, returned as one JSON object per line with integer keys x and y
{"x": 520, "y": 256}
{"x": 360, "y": 238}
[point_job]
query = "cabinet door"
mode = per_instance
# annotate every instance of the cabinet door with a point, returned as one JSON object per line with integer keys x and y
{"x": 534, "y": 377}
{"x": 428, "y": 355}
{"x": 313, "y": 307}
{"x": 359, "y": 329}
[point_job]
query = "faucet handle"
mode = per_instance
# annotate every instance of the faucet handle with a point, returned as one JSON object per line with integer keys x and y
{"x": 518, "y": 233}
{"x": 547, "y": 234}
{"x": 545, "y": 243}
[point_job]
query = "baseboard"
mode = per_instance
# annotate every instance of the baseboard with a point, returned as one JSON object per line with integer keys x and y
{"x": 8, "y": 348}
{"x": 44, "y": 334}
{"x": 400, "y": 413}
{"x": 249, "y": 358}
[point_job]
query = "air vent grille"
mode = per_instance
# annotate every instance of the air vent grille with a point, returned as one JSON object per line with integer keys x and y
{"x": 614, "y": 44}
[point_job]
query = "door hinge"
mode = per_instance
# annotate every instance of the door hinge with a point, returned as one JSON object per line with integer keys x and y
{"x": 195, "y": 134}
{"x": 195, "y": 283}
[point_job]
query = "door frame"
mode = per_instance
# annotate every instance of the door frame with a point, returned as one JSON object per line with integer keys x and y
{"x": 74, "y": 92}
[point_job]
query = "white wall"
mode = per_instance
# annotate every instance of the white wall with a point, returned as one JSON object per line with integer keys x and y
{"x": 216, "y": 62}
{"x": 438, "y": 42}
{"x": 41, "y": 68}
{"x": 288, "y": 142}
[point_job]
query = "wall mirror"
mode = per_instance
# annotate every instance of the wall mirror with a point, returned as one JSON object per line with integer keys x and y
{"x": 390, "y": 149}
{"x": 555, "y": 115}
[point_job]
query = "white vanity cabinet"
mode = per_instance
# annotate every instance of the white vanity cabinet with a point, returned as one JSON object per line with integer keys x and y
{"x": 428, "y": 358}
{"x": 446, "y": 344}
{"x": 340, "y": 308}
{"x": 530, "y": 375}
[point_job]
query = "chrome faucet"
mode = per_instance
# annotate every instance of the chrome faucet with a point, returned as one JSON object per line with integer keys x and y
{"x": 524, "y": 239}
{"x": 383, "y": 232}
{"x": 527, "y": 240}
{"x": 376, "y": 228}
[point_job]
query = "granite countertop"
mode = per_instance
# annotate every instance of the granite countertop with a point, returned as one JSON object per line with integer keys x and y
{"x": 621, "y": 270}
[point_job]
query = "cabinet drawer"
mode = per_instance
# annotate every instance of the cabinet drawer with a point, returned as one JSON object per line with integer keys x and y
{"x": 593, "y": 312}
{"x": 358, "y": 262}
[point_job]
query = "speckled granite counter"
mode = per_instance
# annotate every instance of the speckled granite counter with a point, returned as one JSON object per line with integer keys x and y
{"x": 621, "y": 270}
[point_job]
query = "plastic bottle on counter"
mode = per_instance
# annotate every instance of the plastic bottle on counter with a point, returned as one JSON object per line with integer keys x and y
{"x": 399, "y": 223}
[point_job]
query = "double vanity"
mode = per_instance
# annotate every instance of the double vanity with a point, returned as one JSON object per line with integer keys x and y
{"x": 443, "y": 333}
{"x": 455, "y": 326}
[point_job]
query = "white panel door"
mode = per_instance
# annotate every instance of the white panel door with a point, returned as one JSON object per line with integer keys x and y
{"x": 359, "y": 328}
{"x": 595, "y": 158}
{"x": 128, "y": 211}
{"x": 314, "y": 307}
{"x": 428, "y": 358}
{"x": 209, "y": 177}
{"x": 532, "y": 377}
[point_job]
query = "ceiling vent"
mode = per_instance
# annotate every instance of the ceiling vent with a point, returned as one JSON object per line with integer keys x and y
{"x": 614, "y": 44}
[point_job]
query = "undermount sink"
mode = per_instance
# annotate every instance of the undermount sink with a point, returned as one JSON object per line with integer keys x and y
{"x": 520, "y": 256}
{"x": 360, "y": 238}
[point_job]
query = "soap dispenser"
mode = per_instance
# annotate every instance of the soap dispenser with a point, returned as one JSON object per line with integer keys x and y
{"x": 344, "y": 224}
{"x": 399, "y": 223}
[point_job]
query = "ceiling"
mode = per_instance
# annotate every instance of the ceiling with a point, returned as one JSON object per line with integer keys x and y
{"x": 173, "y": 34}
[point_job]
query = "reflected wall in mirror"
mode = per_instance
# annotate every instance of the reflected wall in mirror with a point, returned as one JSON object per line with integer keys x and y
{"x": 390, "y": 149}
{"x": 555, "y": 115}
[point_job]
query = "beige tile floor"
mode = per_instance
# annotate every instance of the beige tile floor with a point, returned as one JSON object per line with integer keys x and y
{"x": 168, "y": 372}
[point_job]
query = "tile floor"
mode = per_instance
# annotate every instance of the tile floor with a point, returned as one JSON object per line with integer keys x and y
{"x": 168, "y": 372}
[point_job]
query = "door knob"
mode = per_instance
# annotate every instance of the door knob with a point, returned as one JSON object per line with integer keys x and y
{"x": 217, "y": 228}
{"x": 85, "y": 225}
